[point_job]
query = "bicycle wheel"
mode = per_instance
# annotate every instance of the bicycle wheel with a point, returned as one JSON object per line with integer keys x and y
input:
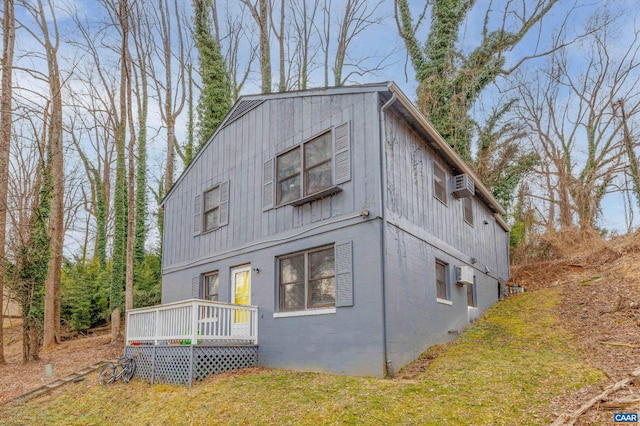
{"x": 129, "y": 370}
{"x": 107, "y": 373}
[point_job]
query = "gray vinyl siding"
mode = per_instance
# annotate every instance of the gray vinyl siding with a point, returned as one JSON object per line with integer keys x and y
{"x": 238, "y": 153}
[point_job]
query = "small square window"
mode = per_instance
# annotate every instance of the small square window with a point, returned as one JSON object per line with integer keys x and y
{"x": 441, "y": 280}
{"x": 439, "y": 183}
{"x": 210, "y": 286}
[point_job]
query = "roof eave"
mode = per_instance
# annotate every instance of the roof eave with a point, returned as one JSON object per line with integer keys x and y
{"x": 445, "y": 148}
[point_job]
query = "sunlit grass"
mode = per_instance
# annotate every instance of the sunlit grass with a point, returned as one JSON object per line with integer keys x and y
{"x": 504, "y": 370}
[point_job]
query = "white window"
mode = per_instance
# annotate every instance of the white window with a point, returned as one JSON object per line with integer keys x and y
{"x": 307, "y": 280}
{"x": 210, "y": 286}
{"x": 439, "y": 183}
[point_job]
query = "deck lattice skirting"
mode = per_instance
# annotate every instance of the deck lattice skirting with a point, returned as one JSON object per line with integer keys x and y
{"x": 182, "y": 364}
{"x": 185, "y": 341}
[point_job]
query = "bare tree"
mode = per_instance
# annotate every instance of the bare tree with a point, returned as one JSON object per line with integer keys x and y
{"x": 50, "y": 40}
{"x": 235, "y": 45}
{"x": 261, "y": 13}
{"x": 351, "y": 18}
{"x": 96, "y": 111}
{"x": 358, "y": 16}
{"x": 629, "y": 145}
{"x": 172, "y": 97}
{"x": 6, "y": 99}
{"x": 304, "y": 27}
{"x": 575, "y": 123}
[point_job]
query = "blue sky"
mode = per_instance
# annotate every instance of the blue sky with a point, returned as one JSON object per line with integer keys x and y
{"x": 378, "y": 41}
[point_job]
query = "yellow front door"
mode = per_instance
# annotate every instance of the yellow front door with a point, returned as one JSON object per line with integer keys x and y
{"x": 241, "y": 280}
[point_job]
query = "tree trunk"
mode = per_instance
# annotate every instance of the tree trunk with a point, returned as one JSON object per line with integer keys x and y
{"x": 115, "y": 325}
{"x": 9, "y": 38}
{"x": 119, "y": 268}
{"x": 56, "y": 218}
{"x": 265, "y": 51}
{"x": 128, "y": 293}
{"x": 262, "y": 15}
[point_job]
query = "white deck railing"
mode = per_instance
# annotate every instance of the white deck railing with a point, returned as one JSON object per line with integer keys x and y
{"x": 192, "y": 322}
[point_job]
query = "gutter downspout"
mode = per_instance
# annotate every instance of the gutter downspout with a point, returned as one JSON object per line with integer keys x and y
{"x": 383, "y": 189}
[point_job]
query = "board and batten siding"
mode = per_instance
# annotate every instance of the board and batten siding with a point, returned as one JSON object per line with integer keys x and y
{"x": 238, "y": 154}
{"x": 411, "y": 204}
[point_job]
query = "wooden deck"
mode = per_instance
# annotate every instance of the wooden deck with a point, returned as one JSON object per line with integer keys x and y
{"x": 186, "y": 341}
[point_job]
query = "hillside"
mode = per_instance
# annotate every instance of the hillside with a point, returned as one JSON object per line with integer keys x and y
{"x": 600, "y": 284}
{"x": 527, "y": 361}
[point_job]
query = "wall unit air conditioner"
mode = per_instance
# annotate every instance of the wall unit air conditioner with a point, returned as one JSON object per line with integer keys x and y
{"x": 464, "y": 275}
{"x": 463, "y": 186}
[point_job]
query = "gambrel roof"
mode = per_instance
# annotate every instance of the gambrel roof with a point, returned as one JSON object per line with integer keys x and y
{"x": 389, "y": 92}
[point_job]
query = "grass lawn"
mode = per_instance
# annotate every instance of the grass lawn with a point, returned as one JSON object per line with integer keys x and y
{"x": 505, "y": 370}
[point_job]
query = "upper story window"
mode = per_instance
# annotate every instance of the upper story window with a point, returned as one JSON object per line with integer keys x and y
{"x": 211, "y": 208}
{"x": 210, "y": 286}
{"x": 468, "y": 210}
{"x": 307, "y": 280}
{"x": 305, "y": 170}
{"x": 439, "y": 183}
{"x": 308, "y": 171}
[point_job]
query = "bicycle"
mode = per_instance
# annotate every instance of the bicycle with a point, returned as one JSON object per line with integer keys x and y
{"x": 124, "y": 368}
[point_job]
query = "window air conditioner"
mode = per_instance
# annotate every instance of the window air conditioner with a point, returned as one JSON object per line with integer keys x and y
{"x": 463, "y": 186}
{"x": 464, "y": 275}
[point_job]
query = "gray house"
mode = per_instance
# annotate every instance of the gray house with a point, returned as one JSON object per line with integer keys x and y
{"x": 341, "y": 215}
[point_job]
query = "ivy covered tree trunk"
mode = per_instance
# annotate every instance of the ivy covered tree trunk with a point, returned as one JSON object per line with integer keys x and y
{"x": 6, "y": 97}
{"x": 28, "y": 273}
{"x": 450, "y": 80}
{"x": 634, "y": 168}
{"x": 189, "y": 143}
{"x": 141, "y": 173}
{"x": 215, "y": 97}
{"x": 118, "y": 273}
{"x": 56, "y": 174}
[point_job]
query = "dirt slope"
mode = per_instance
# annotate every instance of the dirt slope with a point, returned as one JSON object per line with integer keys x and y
{"x": 601, "y": 306}
{"x": 71, "y": 356}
